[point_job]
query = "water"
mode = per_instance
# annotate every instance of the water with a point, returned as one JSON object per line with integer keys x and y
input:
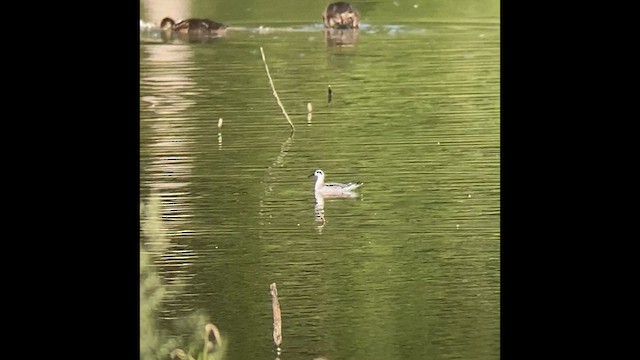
{"x": 409, "y": 269}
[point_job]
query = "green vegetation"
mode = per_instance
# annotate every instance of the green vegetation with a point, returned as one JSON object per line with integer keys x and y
{"x": 205, "y": 341}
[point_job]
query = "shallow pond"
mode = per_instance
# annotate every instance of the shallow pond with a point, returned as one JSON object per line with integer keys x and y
{"x": 410, "y": 269}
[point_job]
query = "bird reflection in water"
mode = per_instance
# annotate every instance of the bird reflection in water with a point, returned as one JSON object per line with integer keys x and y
{"x": 319, "y": 209}
{"x": 341, "y": 37}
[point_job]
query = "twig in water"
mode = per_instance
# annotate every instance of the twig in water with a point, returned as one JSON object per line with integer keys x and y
{"x": 274, "y": 90}
{"x": 277, "y": 321}
{"x": 220, "y": 132}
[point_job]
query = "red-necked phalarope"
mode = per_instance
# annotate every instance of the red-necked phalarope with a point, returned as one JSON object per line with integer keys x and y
{"x": 333, "y": 189}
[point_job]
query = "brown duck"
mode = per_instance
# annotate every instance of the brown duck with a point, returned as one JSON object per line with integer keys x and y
{"x": 341, "y": 15}
{"x": 193, "y": 26}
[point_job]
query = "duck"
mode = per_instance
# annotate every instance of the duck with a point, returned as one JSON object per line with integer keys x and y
{"x": 341, "y": 15}
{"x": 332, "y": 189}
{"x": 193, "y": 26}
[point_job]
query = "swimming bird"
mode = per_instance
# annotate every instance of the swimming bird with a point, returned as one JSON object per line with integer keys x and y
{"x": 329, "y": 190}
{"x": 193, "y": 25}
{"x": 341, "y": 15}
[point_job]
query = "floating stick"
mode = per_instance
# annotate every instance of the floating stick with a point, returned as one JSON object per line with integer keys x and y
{"x": 329, "y": 91}
{"x": 264, "y": 60}
{"x": 220, "y": 132}
{"x": 277, "y": 321}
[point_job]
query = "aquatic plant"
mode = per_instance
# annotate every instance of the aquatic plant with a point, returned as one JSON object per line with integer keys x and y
{"x": 154, "y": 343}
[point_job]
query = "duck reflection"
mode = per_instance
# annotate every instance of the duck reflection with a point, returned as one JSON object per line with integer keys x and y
{"x": 340, "y": 37}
